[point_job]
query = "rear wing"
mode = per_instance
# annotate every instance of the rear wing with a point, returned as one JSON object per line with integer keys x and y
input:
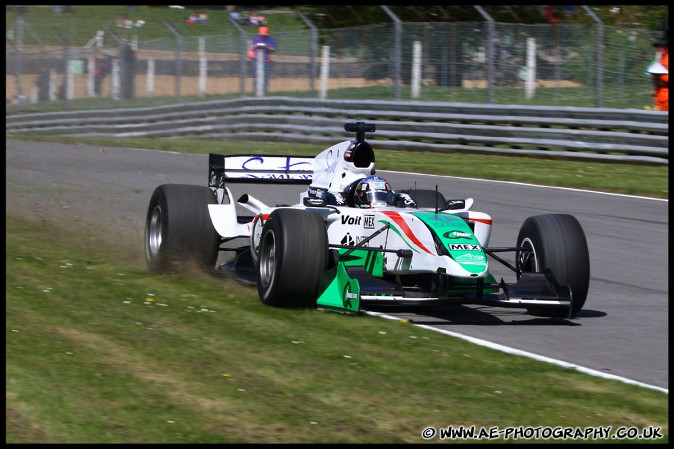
{"x": 259, "y": 169}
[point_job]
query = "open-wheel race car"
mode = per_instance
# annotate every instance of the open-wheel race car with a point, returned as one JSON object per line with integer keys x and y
{"x": 352, "y": 242}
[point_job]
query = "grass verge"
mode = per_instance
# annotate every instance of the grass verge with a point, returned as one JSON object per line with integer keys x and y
{"x": 100, "y": 351}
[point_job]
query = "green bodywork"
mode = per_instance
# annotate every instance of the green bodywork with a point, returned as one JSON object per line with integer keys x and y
{"x": 457, "y": 239}
{"x": 342, "y": 293}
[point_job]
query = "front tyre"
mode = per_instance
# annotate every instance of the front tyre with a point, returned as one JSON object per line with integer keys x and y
{"x": 556, "y": 242}
{"x": 293, "y": 254}
{"x": 178, "y": 229}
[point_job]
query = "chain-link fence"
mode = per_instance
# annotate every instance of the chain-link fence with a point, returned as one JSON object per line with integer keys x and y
{"x": 475, "y": 62}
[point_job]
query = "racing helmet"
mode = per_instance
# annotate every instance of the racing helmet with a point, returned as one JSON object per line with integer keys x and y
{"x": 373, "y": 192}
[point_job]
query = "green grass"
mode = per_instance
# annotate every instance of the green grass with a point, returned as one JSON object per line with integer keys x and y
{"x": 100, "y": 351}
{"x": 571, "y": 96}
{"x": 78, "y": 24}
{"x": 634, "y": 179}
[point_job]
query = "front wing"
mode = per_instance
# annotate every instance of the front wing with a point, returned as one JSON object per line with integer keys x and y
{"x": 351, "y": 288}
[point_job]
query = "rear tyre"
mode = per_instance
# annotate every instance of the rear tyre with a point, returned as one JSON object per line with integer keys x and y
{"x": 178, "y": 229}
{"x": 556, "y": 242}
{"x": 426, "y": 198}
{"x": 292, "y": 256}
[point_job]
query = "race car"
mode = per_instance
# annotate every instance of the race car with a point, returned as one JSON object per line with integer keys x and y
{"x": 351, "y": 242}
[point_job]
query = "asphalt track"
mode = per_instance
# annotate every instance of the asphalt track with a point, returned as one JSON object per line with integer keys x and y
{"x": 622, "y": 330}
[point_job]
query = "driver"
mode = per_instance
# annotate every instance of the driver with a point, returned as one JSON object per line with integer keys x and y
{"x": 374, "y": 192}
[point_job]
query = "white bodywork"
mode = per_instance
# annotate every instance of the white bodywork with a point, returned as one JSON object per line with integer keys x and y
{"x": 333, "y": 173}
{"x": 349, "y": 226}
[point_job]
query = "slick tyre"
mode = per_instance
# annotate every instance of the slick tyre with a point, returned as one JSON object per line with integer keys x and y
{"x": 292, "y": 256}
{"x": 179, "y": 233}
{"x": 556, "y": 242}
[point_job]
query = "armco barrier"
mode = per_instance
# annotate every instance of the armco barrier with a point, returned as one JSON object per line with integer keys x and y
{"x": 612, "y": 135}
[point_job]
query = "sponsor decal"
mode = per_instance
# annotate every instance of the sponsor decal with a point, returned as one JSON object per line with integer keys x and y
{"x": 464, "y": 247}
{"x": 348, "y": 240}
{"x": 349, "y": 220}
{"x": 257, "y": 163}
{"x": 352, "y": 240}
{"x": 309, "y": 201}
{"x": 348, "y": 296}
{"x": 471, "y": 259}
{"x": 457, "y": 235}
{"x": 273, "y": 167}
{"x": 368, "y": 221}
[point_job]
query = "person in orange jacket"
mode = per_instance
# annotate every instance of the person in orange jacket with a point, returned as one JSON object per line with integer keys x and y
{"x": 267, "y": 45}
{"x": 661, "y": 80}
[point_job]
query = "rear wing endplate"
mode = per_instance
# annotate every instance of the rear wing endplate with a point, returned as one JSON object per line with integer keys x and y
{"x": 259, "y": 169}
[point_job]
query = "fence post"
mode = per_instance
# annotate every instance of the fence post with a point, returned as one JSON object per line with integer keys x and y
{"x": 18, "y": 53}
{"x": 115, "y": 82}
{"x": 179, "y": 58}
{"x": 260, "y": 73}
{"x": 325, "y": 71}
{"x": 67, "y": 79}
{"x": 313, "y": 49}
{"x": 91, "y": 73}
{"x": 398, "y": 48}
{"x": 599, "y": 98}
{"x": 203, "y": 66}
{"x": 53, "y": 89}
{"x": 150, "y": 77}
{"x": 531, "y": 68}
{"x": 244, "y": 71}
{"x": 416, "y": 69}
{"x": 490, "y": 53}
{"x": 116, "y": 71}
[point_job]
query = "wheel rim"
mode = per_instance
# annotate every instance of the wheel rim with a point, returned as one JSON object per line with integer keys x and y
{"x": 154, "y": 236}
{"x": 527, "y": 261}
{"x": 267, "y": 259}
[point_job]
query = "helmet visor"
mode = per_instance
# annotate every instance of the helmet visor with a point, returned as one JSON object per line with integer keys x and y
{"x": 377, "y": 197}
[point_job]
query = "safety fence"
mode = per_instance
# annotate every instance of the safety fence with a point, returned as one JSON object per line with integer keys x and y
{"x": 475, "y": 62}
{"x": 599, "y": 134}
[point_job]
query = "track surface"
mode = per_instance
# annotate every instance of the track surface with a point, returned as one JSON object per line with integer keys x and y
{"x": 622, "y": 329}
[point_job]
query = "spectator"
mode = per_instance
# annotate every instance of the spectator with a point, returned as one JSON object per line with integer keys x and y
{"x": 660, "y": 73}
{"x": 257, "y": 20}
{"x": 101, "y": 70}
{"x": 266, "y": 44}
{"x": 198, "y": 17}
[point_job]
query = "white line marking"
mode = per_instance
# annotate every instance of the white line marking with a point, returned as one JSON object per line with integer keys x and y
{"x": 531, "y": 185}
{"x": 531, "y": 355}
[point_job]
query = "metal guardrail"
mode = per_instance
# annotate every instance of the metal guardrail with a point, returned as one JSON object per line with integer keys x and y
{"x": 612, "y": 135}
